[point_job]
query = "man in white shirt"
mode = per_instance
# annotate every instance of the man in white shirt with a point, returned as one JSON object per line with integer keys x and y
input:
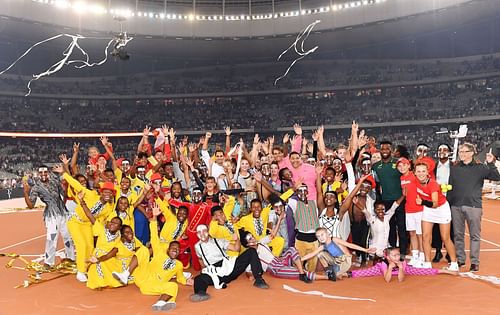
{"x": 218, "y": 268}
{"x": 216, "y": 167}
{"x": 442, "y": 178}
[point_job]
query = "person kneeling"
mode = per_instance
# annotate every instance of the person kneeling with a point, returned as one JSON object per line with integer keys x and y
{"x": 153, "y": 277}
{"x": 334, "y": 255}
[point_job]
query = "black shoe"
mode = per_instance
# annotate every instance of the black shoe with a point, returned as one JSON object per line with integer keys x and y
{"x": 332, "y": 275}
{"x": 460, "y": 264}
{"x": 349, "y": 274}
{"x": 199, "y": 297}
{"x": 438, "y": 257}
{"x": 304, "y": 278}
{"x": 474, "y": 268}
{"x": 261, "y": 284}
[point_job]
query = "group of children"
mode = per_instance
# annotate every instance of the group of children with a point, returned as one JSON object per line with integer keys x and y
{"x": 138, "y": 222}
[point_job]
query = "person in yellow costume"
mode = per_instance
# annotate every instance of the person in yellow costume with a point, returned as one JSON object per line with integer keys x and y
{"x": 127, "y": 201}
{"x": 221, "y": 225}
{"x": 101, "y": 204}
{"x": 153, "y": 277}
{"x": 127, "y": 248}
{"x": 103, "y": 260}
{"x": 256, "y": 223}
{"x": 175, "y": 224}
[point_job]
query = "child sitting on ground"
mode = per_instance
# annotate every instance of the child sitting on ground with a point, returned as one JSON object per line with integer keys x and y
{"x": 333, "y": 254}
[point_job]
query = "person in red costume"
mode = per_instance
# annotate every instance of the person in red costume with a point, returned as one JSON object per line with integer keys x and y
{"x": 422, "y": 157}
{"x": 199, "y": 213}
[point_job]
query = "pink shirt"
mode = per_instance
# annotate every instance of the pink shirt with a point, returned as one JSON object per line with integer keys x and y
{"x": 308, "y": 173}
{"x": 296, "y": 146}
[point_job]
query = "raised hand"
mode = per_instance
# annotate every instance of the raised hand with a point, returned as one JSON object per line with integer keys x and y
{"x": 193, "y": 147}
{"x": 256, "y": 138}
{"x": 354, "y": 127}
{"x": 58, "y": 168}
{"x": 305, "y": 141}
{"x": 164, "y": 129}
{"x": 321, "y": 130}
{"x": 104, "y": 140}
{"x": 64, "y": 158}
{"x": 286, "y": 138}
{"x": 257, "y": 176}
{"x": 156, "y": 209}
{"x": 297, "y": 129}
{"x": 185, "y": 140}
{"x": 81, "y": 195}
{"x": 171, "y": 133}
{"x": 76, "y": 147}
{"x": 338, "y": 177}
{"x": 227, "y": 130}
{"x": 318, "y": 167}
{"x": 315, "y": 135}
{"x": 208, "y": 135}
{"x": 145, "y": 131}
{"x": 189, "y": 163}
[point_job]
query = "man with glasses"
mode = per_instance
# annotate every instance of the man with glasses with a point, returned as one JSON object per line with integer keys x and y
{"x": 466, "y": 178}
{"x": 48, "y": 188}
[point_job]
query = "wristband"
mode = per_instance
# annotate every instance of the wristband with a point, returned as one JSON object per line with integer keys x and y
{"x": 427, "y": 203}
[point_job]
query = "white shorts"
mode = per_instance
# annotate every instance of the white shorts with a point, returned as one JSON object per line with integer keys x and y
{"x": 440, "y": 215}
{"x": 414, "y": 222}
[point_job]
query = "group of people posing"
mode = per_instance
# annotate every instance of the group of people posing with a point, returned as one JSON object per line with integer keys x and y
{"x": 271, "y": 208}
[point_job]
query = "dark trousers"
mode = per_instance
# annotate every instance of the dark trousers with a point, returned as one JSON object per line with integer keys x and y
{"x": 359, "y": 232}
{"x": 141, "y": 227}
{"x": 249, "y": 257}
{"x": 398, "y": 227}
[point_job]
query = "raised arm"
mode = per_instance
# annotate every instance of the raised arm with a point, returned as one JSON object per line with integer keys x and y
{"x": 319, "y": 189}
{"x": 86, "y": 210}
{"x": 144, "y": 140}
{"x": 105, "y": 142}
{"x": 347, "y": 204}
{"x": 74, "y": 158}
{"x": 228, "y": 131}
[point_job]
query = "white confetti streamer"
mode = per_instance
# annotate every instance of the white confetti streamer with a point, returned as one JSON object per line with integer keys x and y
{"x": 491, "y": 279}
{"x": 319, "y": 293}
{"x": 120, "y": 42}
{"x": 301, "y": 37}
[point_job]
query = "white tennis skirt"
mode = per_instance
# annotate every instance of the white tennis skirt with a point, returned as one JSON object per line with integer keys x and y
{"x": 440, "y": 215}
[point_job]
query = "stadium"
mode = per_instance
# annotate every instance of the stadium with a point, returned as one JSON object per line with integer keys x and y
{"x": 180, "y": 98}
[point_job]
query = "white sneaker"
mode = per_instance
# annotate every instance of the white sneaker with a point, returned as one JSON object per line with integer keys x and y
{"x": 423, "y": 265}
{"x": 158, "y": 305}
{"x": 413, "y": 261}
{"x": 163, "y": 306}
{"x": 80, "y": 276}
{"x": 452, "y": 267}
{"x": 123, "y": 277}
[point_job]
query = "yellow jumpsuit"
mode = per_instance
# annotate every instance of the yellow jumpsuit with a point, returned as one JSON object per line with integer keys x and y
{"x": 247, "y": 223}
{"x": 100, "y": 274}
{"x": 128, "y": 216}
{"x": 169, "y": 227}
{"x": 124, "y": 256}
{"x": 151, "y": 277}
{"x": 79, "y": 225}
{"x": 219, "y": 231}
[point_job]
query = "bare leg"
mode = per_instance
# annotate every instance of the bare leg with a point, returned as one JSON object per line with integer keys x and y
{"x": 444, "y": 229}
{"x": 427, "y": 239}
